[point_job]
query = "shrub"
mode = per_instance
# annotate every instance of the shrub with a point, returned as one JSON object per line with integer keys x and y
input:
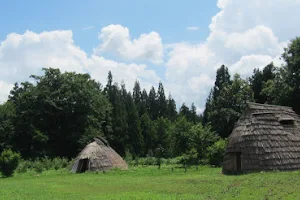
{"x": 216, "y": 152}
{"x": 190, "y": 158}
{"x": 60, "y": 163}
{"x": 38, "y": 166}
{"x": 9, "y": 161}
{"x": 24, "y": 166}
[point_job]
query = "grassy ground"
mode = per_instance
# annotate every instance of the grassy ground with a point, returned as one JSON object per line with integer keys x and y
{"x": 151, "y": 183}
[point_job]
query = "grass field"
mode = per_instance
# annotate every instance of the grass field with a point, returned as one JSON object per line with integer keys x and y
{"x": 151, "y": 183}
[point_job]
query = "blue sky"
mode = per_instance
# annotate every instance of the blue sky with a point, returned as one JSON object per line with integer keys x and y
{"x": 169, "y": 18}
{"x": 181, "y": 43}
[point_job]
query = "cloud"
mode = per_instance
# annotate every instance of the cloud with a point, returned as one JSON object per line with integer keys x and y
{"x": 116, "y": 39}
{"x": 25, "y": 54}
{"x": 99, "y": 67}
{"x": 22, "y": 55}
{"x": 4, "y": 90}
{"x": 240, "y": 15}
{"x": 88, "y": 28}
{"x": 192, "y": 28}
{"x": 243, "y": 37}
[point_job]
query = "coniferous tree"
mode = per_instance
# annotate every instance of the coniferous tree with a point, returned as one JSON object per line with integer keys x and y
{"x": 162, "y": 102}
{"x": 193, "y": 114}
{"x": 172, "y": 112}
{"x": 144, "y": 103}
{"x": 185, "y": 111}
{"x": 135, "y": 138}
{"x": 137, "y": 96}
{"x": 222, "y": 78}
{"x": 149, "y": 134}
{"x": 152, "y": 103}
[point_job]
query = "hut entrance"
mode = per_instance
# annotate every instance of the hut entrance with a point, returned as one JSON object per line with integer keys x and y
{"x": 238, "y": 162}
{"x": 82, "y": 165}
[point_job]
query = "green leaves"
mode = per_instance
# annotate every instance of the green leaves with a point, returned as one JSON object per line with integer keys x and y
{"x": 9, "y": 161}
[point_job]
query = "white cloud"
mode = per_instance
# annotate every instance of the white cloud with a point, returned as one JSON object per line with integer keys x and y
{"x": 243, "y": 37}
{"x": 187, "y": 60}
{"x": 4, "y": 90}
{"x": 240, "y": 15}
{"x": 192, "y": 28}
{"x": 116, "y": 39}
{"x": 99, "y": 67}
{"x": 247, "y": 63}
{"x": 24, "y": 54}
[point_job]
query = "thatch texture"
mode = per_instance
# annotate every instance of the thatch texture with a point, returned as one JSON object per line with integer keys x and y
{"x": 266, "y": 137}
{"x": 98, "y": 156}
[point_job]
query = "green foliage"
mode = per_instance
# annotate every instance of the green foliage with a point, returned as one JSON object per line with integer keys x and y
{"x": 229, "y": 105}
{"x": 42, "y": 164}
{"x": 7, "y": 114}
{"x": 259, "y": 78}
{"x": 179, "y": 136}
{"x": 190, "y": 158}
{"x": 201, "y": 138}
{"x": 216, "y": 152}
{"x": 55, "y": 115}
{"x": 9, "y": 161}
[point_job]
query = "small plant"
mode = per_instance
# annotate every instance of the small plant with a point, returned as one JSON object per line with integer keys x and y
{"x": 9, "y": 161}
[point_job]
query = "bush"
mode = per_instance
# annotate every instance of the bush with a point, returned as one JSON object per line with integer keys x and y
{"x": 41, "y": 164}
{"x": 190, "y": 158}
{"x": 216, "y": 152}
{"x": 9, "y": 161}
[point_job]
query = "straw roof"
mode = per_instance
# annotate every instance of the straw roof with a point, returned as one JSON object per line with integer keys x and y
{"x": 98, "y": 156}
{"x": 266, "y": 137}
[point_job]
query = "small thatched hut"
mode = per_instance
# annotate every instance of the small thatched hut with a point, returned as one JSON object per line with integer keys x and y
{"x": 98, "y": 156}
{"x": 266, "y": 137}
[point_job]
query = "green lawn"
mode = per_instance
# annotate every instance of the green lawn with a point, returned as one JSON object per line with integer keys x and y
{"x": 151, "y": 183}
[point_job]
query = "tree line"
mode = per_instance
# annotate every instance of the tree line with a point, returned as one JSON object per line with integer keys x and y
{"x": 278, "y": 85}
{"x": 57, "y": 113}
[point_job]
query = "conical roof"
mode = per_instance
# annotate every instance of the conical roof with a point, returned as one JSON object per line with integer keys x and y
{"x": 98, "y": 156}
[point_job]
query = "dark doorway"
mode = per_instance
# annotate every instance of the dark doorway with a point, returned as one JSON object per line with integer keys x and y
{"x": 82, "y": 165}
{"x": 238, "y": 162}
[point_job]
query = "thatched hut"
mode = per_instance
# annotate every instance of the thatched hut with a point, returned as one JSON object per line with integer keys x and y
{"x": 266, "y": 137}
{"x": 98, "y": 156}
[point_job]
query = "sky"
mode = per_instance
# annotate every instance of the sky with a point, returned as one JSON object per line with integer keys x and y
{"x": 180, "y": 43}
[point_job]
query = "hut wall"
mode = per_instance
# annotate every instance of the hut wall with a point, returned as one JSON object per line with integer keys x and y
{"x": 266, "y": 141}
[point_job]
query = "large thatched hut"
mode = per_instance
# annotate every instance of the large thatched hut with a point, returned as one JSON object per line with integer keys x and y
{"x": 266, "y": 137}
{"x": 98, "y": 156}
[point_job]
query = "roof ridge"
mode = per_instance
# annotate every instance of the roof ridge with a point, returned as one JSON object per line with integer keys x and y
{"x": 249, "y": 103}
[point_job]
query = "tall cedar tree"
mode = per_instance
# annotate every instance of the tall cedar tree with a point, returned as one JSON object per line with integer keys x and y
{"x": 171, "y": 112}
{"x": 162, "y": 102}
{"x": 152, "y": 104}
{"x": 135, "y": 140}
{"x": 222, "y": 77}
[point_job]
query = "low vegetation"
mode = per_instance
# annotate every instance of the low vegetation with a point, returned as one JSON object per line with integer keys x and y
{"x": 151, "y": 183}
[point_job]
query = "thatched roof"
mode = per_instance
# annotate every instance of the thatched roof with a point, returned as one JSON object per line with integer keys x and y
{"x": 98, "y": 156}
{"x": 268, "y": 138}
